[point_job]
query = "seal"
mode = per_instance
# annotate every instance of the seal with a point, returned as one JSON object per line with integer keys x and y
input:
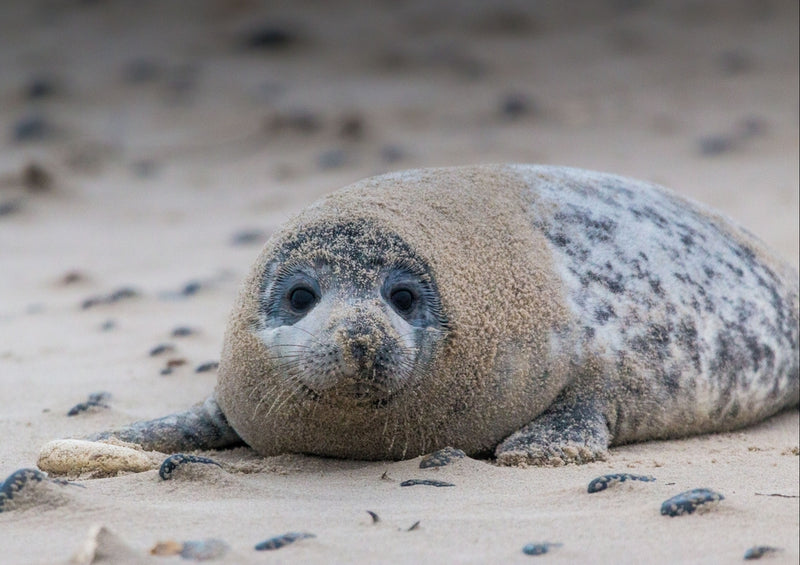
{"x": 539, "y": 313}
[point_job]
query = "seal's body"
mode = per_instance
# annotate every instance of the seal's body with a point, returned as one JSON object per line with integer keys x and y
{"x": 544, "y": 313}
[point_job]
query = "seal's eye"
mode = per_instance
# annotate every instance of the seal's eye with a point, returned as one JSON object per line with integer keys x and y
{"x": 403, "y": 300}
{"x": 302, "y": 299}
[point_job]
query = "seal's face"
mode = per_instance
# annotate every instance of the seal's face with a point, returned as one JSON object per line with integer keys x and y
{"x": 348, "y": 314}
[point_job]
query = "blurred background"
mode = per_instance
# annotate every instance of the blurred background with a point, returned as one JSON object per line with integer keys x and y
{"x": 143, "y": 140}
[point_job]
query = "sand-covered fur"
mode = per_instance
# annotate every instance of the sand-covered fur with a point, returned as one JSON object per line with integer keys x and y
{"x": 593, "y": 309}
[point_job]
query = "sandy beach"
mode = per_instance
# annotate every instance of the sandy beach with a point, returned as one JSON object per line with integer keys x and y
{"x": 149, "y": 149}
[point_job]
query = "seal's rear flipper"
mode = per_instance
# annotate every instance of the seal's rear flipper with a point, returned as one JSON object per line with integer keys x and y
{"x": 203, "y": 426}
{"x": 571, "y": 431}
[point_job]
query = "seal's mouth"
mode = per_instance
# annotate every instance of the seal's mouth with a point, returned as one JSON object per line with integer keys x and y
{"x": 350, "y": 392}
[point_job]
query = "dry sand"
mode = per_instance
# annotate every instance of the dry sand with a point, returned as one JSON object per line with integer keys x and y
{"x": 162, "y": 137}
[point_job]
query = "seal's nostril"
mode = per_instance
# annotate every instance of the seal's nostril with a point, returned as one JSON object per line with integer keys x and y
{"x": 358, "y": 351}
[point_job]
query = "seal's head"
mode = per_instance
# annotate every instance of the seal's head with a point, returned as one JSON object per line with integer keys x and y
{"x": 399, "y": 315}
{"x": 349, "y": 313}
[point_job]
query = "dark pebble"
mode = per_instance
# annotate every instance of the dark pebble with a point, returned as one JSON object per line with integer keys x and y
{"x": 539, "y": 548}
{"x": 514, "y": 106}
{"x": 605, "y": 481}
{"x": 175, "y": 462}
{"x": 206, "y": 367}
{"x": 182, "y": 331}
{"x": 279, "y": 541}
{"x": 119, "y": 294}
{"x": 33, "y": 127}
{"x": 687, "y": 502}
{"x": 36, "y": 178}
{"x": 204, "y": 550}
{"x": 162, "y": 348}
{"x": 759, "y": 551}
{"x": 10, "y": 207}
{"x": 712, "y": 145}
{"x": 249, "y": 237}
{"x": 172, "y": 364}
{"x": 16, "y": 481}
{"x": 42, "y": 86}
{"x": 351, "y": 128}
{"x": 72, "y": 277}
{"x": 268, "y": 37}
{"x": 96, "y": 400}
{"x": 441, "y": 457}
{"x": 429, "y": 482}
{"x": 191, "y": 288}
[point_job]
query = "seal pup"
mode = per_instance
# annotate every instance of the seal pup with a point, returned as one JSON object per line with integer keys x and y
{"x": 538, "y": 313}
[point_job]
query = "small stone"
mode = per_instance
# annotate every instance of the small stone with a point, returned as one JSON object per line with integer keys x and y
{"x": 123, "y": 293}
{"x": 539, "y": 548}
{"x": 249, "y": 237}
{"x": 206, "y": 367}
{"x": 204, "y": 550}
{"x": 77, "y": 457}
{"x": 41, "y": 86}
{"x": 689, "y": 501}
{"x": 104, "y": 546}
{"x": 96, "y": 400}
{"x": 32, "y": 127}
{"x": 181, "y": 461}
{"x": 712, "y": 145}
{"x": 191, "y": 288}
{"x": 759, "y": 551}
{"x": 72, "y": 277}
{"x": 352, "y": 127}
{"x": 183, "y": 331}
{"x": 36, "y": 178}
{"x": 280, "y": 541}
{"x": 268, "y": 37}
{"x": 162, "y": 348}
{"x": 605, "y": 481}
{"x": 165, "y": 548}
{"x": 428, "y": 482}
{"x": 10, "y": 207}
{"x": 515, "y": 106}
{"x": 15, "y": 482}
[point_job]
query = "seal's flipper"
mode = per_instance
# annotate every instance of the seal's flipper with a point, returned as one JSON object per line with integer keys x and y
{"x": 203, "y": 426}
{"x": 570, "y": 431}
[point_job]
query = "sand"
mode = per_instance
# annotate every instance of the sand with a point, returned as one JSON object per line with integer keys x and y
{"x": 140, "y": 139}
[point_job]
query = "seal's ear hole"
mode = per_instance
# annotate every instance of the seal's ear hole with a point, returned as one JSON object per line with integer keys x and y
{"x": 403, "y": 300}
{"x": 302, "y": 299}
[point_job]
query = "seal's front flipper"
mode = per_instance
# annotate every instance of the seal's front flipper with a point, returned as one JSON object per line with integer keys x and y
{"x": 571, "y": 431}
{"x": 203, "y": 426}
